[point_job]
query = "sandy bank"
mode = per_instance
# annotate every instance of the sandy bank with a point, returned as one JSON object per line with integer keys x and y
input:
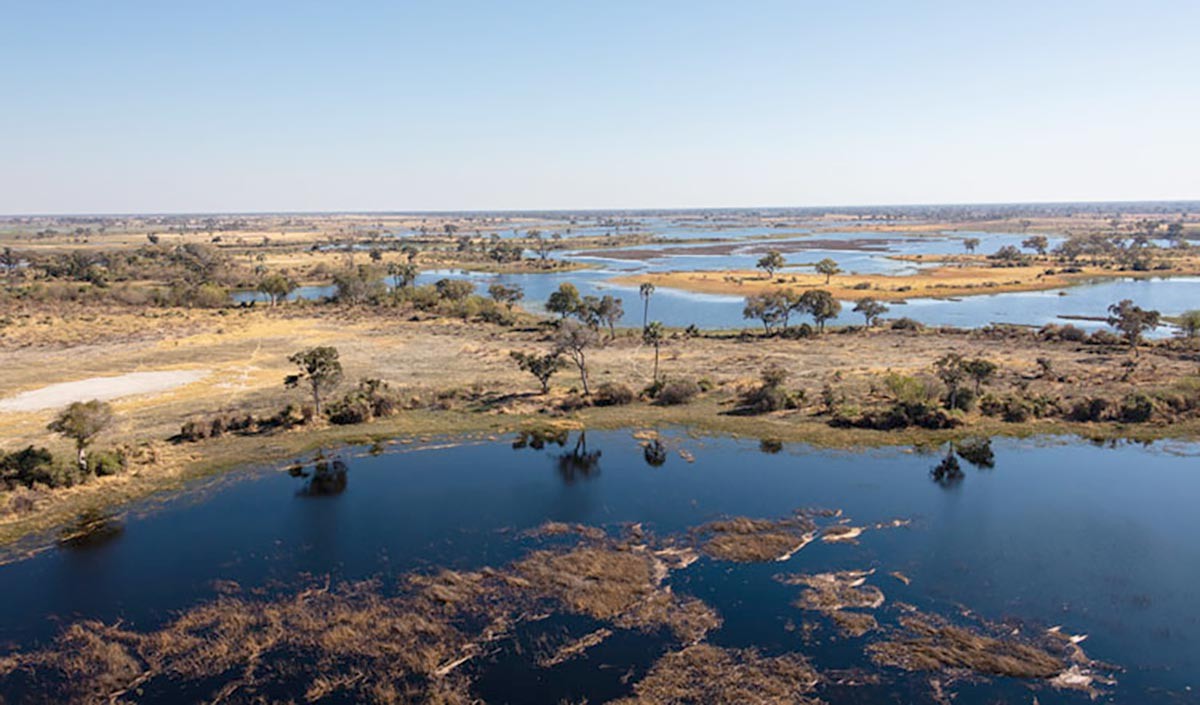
{"x": 938, "y": 282}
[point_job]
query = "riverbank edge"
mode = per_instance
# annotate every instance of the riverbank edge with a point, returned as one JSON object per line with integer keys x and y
{"x": 27, "y": 535}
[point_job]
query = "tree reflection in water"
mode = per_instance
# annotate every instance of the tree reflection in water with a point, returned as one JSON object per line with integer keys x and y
{"x": 327, "y": 479}
{"x": 976, "y": 451}
{"x": 579, "y": 462}
{"x": 948, "y": 473}
{"x": 91, "y": 529}
{"x": 654, "y": 452}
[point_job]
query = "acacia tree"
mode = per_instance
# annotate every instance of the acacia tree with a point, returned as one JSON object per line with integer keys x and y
{"x": 951, "y": 371}
{"x": 82, "y": 422}
{"x": 609, "y": 310}
{"x": 979, "y": 370}
{"x": 653, "y": 334}
{"x": 507, "y": 295}
{"x": 821, "y": 305}
{"x": 828, "y": 267}
{"x": 574, "y": 339}
{"x": 767, "y": 307}
{"x": 539, "y": 245}
{"x": 542, "y": 367}
{"x": 645, "y": 291}
{"x": 319, "y": 368}
{"x": 9, "y": 260}
{"x": 1132, "y": 321}
{"x": 771, "y": 263}
{"x": 870, "y": 309}
{"x": 1189, "y": 323}
{"x": 276, "y": 286}
{"x": 1037, "y": 243}
{"x": 565, "y": 301}
{"x": 403, "y": 274}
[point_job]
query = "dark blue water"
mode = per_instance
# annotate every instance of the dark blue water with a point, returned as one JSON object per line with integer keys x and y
{"x": 1099, "y": 540}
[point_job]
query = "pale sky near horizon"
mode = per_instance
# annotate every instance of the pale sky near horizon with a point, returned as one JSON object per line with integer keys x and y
{"x": 121, "y": 106}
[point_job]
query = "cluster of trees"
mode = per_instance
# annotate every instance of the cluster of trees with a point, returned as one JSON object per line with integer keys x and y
{"x": 775, "y": 308}
{"x": 79, "y": 422}
{"x": 773, "y": 261}
{"x": 591, "y": 311}
{"x": 1133, "y": 247}
{"x": 577, "y": 331}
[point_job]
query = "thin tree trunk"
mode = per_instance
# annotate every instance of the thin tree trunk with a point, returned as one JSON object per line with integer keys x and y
{"x": 656, "y": 363}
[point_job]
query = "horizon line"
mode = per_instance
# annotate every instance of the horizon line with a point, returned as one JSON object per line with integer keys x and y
{"x": 652, "y": 209}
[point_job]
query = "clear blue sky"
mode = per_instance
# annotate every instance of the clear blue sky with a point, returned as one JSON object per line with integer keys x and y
{"x": 259, "y": 106}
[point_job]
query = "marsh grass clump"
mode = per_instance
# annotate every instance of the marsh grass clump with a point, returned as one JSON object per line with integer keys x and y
{"x": 614, "y": 584}
{"x": 927, "y": 643}
{"x": 744, "y": 540}
{"x": 710, "y": 674}
{"x": 833, "y": 592}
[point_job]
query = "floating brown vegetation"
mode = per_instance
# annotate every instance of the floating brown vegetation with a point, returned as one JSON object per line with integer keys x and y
{"x": 349, "y": 640}
{"x": 830, "y": 592}
{"x": 574, "y": 648}
{"x": 855, "y": 624}
{"x": 743, "y": 540}
{"x": 929, "y": 644}
{"x": 558, "y": 528}
{"x": 709, "y": 675}
{"x": 356, "y": 642}
{"x": 622, "y": 585}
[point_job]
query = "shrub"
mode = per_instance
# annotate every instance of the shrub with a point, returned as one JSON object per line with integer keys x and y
{"x": 907, "y": 323}
{"x": 1016, "y": 410}
{"x": 1072, "y": 333}
{"x": 902, "y": 415}
{"x": 803, "y": 330}
{"x": 1093, "y": 409}
{"x": 1136, "y": 408}
{"x": 1105, "y": 337}
{"x": 991, "y": 405}
{"x": 105, "y": 462}
{"x": 25, "y": 467}
{"x": 372, "y": 398}
{"x": 766, "y": 398}
{"x": 677, "y": 391}
{"x": 613, "y": 394}
{"x": 964, "y": 399}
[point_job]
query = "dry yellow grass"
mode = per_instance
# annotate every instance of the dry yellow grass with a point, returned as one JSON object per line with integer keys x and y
{"x": 246, "y": 353}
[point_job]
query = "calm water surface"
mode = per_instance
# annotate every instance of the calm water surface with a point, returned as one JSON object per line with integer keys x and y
{"x": 1100, "y": 540}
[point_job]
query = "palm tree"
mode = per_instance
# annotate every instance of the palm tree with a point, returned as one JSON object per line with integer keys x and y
{"x": 646, "y": 290}
{"x": 653, "y": 334}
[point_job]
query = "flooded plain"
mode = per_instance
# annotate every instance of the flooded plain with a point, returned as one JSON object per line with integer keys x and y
{"x": 567, "y": 567}
{"x": 855, "y": 252}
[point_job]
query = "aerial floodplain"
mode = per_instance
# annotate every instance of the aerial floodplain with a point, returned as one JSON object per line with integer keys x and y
{"x": 367, "y": 355}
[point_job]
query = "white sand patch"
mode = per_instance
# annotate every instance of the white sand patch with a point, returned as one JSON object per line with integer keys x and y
{"x": 102, "y": 388}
